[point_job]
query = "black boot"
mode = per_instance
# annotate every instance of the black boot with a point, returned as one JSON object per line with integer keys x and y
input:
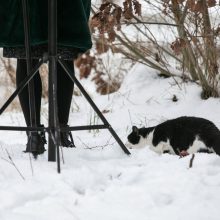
{"x": 36, "y": 142}
{"x": 66, "y": 138}
{"x": 42, "y": 134}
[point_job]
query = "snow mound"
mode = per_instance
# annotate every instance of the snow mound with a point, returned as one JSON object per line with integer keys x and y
{"x": 97, "y": 180}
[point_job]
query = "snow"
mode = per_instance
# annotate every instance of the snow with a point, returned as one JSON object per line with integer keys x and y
{"x": 97, "y": 180}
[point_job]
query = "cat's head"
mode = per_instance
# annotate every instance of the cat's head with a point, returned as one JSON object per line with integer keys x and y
{"x": 136, "y": 139}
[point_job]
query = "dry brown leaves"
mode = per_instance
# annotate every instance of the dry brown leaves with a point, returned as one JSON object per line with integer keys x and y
{"x": 178, "y": 45}
{"x": 196, "y": 6}
{"x": 108, "y": 19}
{"x": 105, "y": 87}
{"x": 131, "y": 7}
{"x": 85, "y": 64}
{"x": 211, "y": 3}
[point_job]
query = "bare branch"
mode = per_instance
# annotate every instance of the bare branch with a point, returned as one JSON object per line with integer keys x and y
{"x": 191, "y": 161}
{"x": 10, "y": 161}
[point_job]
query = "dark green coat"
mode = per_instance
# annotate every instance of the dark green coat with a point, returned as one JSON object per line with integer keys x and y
{"x": 73, "y": 30}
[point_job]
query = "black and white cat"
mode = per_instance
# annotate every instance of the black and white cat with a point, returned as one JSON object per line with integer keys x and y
{"x": 175, "y": 136}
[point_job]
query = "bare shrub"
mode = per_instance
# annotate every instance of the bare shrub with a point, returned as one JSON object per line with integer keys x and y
{"x": 8, "y": 82}
{"x": 194, "y": 48}
{"x": 9, "y": 68}
{"x": 105, "y": 72}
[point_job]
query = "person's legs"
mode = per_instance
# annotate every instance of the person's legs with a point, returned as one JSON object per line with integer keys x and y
{"x": 36, "y": 140}
{"x": 64, "y": 92}
{"x": 64, "y": 96}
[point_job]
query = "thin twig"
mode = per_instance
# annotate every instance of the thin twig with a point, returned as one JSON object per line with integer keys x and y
{"x": 12, "y": 162}
{"x": 191, "y": 161}
{"x": 153, "y": 23}
{"x": 101, "y": 146}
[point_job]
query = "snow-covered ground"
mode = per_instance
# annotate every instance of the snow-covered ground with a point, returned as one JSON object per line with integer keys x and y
{"x": 97, "y": 180}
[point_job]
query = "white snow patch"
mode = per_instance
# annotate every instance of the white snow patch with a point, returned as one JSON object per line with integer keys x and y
{"x": 97, "y": 180}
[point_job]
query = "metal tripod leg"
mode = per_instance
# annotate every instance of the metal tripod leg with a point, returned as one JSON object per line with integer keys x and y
{"x": 31, "y": 93}
{"x": 54, "y": 128}
{"x": 21, "y": 86}
{"x": 77, "y": 83}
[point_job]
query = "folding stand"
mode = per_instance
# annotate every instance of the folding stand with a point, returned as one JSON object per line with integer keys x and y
{"x": 52, "y": 57}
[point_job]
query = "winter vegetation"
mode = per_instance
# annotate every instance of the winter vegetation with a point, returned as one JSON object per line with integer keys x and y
{"x": 151, "y": 61}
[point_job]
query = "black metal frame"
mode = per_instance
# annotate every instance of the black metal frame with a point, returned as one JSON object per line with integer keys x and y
{"x": 53, "y": 128}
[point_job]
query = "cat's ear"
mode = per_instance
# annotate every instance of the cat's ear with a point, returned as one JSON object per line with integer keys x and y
{"x": 135, "y": 129}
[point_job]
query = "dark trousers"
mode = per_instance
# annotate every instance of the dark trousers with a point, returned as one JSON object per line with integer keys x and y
{"x": 64, "y": 91}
